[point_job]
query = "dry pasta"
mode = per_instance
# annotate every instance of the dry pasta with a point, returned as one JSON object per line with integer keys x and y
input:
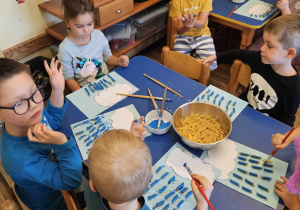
{"x": 201, "y": 129}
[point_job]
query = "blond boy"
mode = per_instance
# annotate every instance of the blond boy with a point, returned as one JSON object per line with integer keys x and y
{"x": 120, "y": 167}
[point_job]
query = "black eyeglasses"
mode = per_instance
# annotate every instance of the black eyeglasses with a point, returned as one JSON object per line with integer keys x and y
{"x": 21, "y": 107}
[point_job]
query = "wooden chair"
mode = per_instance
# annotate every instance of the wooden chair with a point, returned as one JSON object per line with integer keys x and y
{"x": 240, "y": 74}
{"x": 185, "y": 65}
{"x": 71, "y": 199}
{"x": 172, "y": 29}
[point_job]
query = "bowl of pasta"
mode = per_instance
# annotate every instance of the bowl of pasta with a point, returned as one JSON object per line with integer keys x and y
{"x": 201, "y": 125}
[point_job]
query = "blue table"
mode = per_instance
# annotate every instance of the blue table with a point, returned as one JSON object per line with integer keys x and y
{"x": 250, "y": 128}
{"x": 221, "y": 10}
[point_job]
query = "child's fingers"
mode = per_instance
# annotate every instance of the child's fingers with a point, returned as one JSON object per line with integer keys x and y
{"x": 38, "y": 132}
{"x": 52, "y": 64}
{"x": 47, "y": 68}
{"x": 284, "y": 179}
{"x": 30, "y": 136}
{"x": 60, "y": 69}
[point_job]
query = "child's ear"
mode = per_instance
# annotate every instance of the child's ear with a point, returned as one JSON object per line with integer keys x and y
{"x": 93, "y": 188}
{"x": 291, "y": 53}
{"x": 67, "y": 23}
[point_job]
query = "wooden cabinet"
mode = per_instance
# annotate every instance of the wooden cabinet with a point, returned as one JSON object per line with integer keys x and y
{"x": 114, "y": 11}
{"x": 59, "y": 30}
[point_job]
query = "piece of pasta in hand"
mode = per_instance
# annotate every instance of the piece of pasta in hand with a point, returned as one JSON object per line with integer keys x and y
{"x": 201, "y": 129}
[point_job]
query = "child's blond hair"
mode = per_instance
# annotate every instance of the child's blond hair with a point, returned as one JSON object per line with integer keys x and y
{"x": 287, "y": 29}
{"x": 120, "y": 166}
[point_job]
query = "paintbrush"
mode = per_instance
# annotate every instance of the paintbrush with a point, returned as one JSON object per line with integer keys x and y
{"x": 154, "y": 103}
{"x": 142, "y": 96}
{"x": 162, "y": 107}
{"x": 275, "y": 150}
{"x": 163, "y": 85}
{"x": 198, "y": 185}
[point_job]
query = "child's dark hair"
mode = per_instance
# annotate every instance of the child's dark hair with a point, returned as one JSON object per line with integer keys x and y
{"x": 9, "y": 68}
{"x": 73, "y": 8}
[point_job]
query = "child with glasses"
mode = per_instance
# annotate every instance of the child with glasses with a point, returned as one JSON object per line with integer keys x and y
{"x": 40, "y": 160}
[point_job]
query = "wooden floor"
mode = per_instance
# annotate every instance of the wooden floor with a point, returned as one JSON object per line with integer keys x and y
{"x": 219, "y": 77}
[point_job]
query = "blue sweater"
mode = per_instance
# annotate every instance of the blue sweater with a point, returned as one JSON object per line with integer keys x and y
{"x": 38, "y": 179}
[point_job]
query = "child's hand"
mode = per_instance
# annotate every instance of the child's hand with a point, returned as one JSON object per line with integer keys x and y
{"x": 283, "y": 5}
{"x": 123, "y": 60}
{"x": 209, "y": 59}
{"x": 289, "y": 199}
{"x": 188, "y": 21}
{"x": 44, "y": 136}
{"x": 56, "y": 77}
{"x": 277, "y": 141}
{"x": 207, "y": 188}
{"x": 138, "y": 129}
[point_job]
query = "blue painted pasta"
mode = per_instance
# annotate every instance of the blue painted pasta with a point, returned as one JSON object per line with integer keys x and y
{"x": 180, "y": 186}
{"x": 268, "y": 170}
{"x": 254, "y": 161}
{"x": 189, "y": 194}
{"x": 78, "y": 133}
{"x": 87, "y": 91}
{"x": 171, "y": 180}
{"x": 234, "y": 103}
{"x": 175, "y": 198}
{"x": 152, "y": 196}
{"x": 198, "y": 99}
{"x": 256, "y": 157}
{"x": 256, "y": 167}
{"x": 207, "y": 91}
{"x": 154, "y": 183}
{"x": 162, "y": 189}
{"x": 107, "y": 81}
{"x": 103, "y": 83}
{"x": 183, "y": 190}
{"x": 244, "y": 154}
{"x": 106, "y": 129}
{"x": 97, "y": 121}
{"x": 89, "y": 127}
{"x": 266, "y": 178}
{"x": 242, "y": 158}
{"x": 237, "y": 176}
{"x": 112, "y": 79}
{"x": 249, "y": 182}
{"x": 147, "y": 190}
{"x": 231, "y": 114}
{"x": 253, "y": 174}
{"x": 88, "y": 144}
{"x": 234, "y": 182}
{"x": 92, "y": 129}
{"x": 263, "y": 188}
{"x": 166, "y": 207}
{"x": 101, "y": 86}
{"x": 180, "y": 203}
{"x": 170, "y": 194}
{"x": 101, "y": 124}
{"x": 94, "y": 134}
{"x": 242, "y": 170}
{"x": 158, "y": 169}
{"x": 267, "y": 165}
{"x": 81, "y": 137}
{"x": 233, "y": 110}
{"x": 102, "y": 129}
{"x": 246, "y": 189}
{"x": 208, "y": 97}
{"x": 202, "y": 97}
{"x": 88, "y": 138}
{"x": 262, "y": 196}
{"x": 242, "y": 163}
{"x": 85, "y": 122}
{"x": 75, "y": 126}
{"x": 165, "y": 174}
{"x": 212, "y": 93}
{"x": 160, "y": 203}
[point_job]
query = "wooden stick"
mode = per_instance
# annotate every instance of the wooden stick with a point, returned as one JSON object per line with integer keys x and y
{"x": 162, "y": 107}
{"x": 163, "y": 85}
{"x": 153, "y": 101}
{"x": 142, "y": 96}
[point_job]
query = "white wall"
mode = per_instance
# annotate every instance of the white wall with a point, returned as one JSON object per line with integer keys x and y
{"x": 20, "y": 22}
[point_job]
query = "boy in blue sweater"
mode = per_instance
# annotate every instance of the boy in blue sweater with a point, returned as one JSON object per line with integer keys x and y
{"x": 40, "y": 160}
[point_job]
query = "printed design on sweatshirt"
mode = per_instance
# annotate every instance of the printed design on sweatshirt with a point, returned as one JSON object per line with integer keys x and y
{"x": 89, "y": 67}
{"x": 261, "y": 95}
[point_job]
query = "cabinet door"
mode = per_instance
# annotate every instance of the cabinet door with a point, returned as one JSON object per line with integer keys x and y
{"x": 114, "y": 10}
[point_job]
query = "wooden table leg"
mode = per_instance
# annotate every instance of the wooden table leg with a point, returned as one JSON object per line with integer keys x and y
{"x": 247, "y": 36}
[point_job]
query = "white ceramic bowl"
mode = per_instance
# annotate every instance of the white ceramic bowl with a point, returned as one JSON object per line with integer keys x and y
{"x": 206, "y": 109}
{"x": 153, "y": 115}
